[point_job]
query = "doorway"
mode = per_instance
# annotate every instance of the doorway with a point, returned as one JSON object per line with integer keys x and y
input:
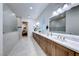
{"x": 24, "y": 28}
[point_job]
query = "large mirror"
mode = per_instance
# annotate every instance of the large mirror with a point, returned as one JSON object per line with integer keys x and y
{"x": 67, "y": 23}
{"x": 58, "y": 24}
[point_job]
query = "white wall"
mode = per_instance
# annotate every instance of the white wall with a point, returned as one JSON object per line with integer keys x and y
{"x": 44, "y": 16}
{"x": 9, "y": 42}
{"x": 1, "y": 29}
{"x": 31, "y": 22}
{"x": 9, "y": 20}
{"x": 72, "y": 21}
{"x": 11, "y": 35}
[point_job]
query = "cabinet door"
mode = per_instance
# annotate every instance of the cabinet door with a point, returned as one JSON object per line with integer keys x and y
{"x": 77, "y": 54}
{"x": 44, "y": 44}
{"x": 41, "y": 41}
{"x": 53, "y": 48}
{"x": 62, "y": 51}
{"x": 38, "y": 39}
{"x": 49, "y": 49}
{"x": 34, "y": 36}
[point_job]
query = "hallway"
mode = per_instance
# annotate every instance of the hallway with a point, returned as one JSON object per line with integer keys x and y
{"x": 27, "y": 47}
{"x": 40, "y": 29}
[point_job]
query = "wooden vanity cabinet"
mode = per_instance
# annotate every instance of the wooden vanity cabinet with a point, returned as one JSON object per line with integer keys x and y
{"x": 76, "y": 54}
{"x": 52, "y": 48}
{"x": 46, "y": 45}
{"x": 43, "y": 44}
{"x": 62, "y": 51}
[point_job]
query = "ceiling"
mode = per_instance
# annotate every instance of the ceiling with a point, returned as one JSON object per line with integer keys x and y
{"x": 23, "y": 9}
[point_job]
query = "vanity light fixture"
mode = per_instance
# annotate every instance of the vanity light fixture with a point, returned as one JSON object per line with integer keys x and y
{"x": 59, "y": 10}
{"x": 66, "y": 7}
{"x": 55, "y": 13}
{"x": 74, "y": 4}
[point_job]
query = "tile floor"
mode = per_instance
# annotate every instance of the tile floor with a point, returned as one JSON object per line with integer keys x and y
{"x": 27, "y": 47}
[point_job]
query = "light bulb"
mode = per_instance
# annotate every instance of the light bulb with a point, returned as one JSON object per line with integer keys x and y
{"x": 59, "y": 10}
{"x": 55, "y": 13}
{"x": 66, "y": 7}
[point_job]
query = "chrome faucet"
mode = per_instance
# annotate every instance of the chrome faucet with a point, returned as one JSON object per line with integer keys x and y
{"x": 61, "y": 37}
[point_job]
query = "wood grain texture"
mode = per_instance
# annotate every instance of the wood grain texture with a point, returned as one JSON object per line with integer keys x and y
{"x": 62, "y": 51}
{"x": 77, "y": 54}
{"x": 52, "y": 48}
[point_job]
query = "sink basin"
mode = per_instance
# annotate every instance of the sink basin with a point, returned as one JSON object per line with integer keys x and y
{"x": 54, "y": 37}
{"x": 76, "y": 40}
{"x": 71, "y": 41}
{"x": 68, "y": 40}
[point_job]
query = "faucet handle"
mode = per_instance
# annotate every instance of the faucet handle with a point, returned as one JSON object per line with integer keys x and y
{"x": 58, "y": 36}
{"x": 61, "y": 37}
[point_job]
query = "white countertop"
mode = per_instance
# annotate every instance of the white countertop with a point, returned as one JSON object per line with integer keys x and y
{"x": 73, "y": 45}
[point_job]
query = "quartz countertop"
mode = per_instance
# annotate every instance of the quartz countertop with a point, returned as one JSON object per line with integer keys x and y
{"x": 70, "y": 44}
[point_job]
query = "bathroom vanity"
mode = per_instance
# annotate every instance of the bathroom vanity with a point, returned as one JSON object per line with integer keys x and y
{"x": 53, "y": 46}
{"x": 65, "y": 38}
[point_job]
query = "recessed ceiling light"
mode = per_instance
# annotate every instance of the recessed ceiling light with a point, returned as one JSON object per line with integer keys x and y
{"x": 31, "y": 8}
{"x": 13, "y": 14}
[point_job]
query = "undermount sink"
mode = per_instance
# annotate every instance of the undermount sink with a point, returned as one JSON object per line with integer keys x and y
{"x": 68, "y": 40}
{"x": 72, "y": 41}
{"x": 76, "y": 40}
{"x": 54, "y": 37}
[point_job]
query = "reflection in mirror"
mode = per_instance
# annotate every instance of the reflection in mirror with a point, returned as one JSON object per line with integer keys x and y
{"x": 57, "y": 24}
{"x": 67, "y": 22}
